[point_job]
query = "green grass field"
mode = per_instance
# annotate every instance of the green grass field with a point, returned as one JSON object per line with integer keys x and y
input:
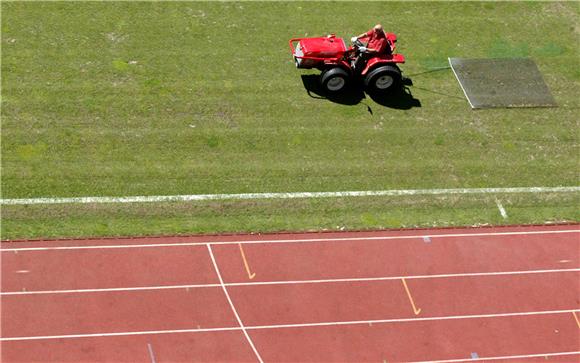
{"x": 136, "y": 98}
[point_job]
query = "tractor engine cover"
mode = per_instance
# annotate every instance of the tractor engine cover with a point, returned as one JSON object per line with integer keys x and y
{"x": 328, "y": 47}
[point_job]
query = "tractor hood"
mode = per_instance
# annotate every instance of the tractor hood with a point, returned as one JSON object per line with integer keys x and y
{"x": 323, "y": 47}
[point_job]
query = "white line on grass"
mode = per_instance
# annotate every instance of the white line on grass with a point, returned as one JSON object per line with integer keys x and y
{"x": 290, "y": 326}
{"x": 219, "y": 275}
{"x": 309, "y": 240}
{"x": 501, "y": 209}
{"x": 205, "y": 197}
{"x": 289, "y": 282}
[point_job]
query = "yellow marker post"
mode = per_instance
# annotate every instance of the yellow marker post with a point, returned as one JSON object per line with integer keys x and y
{"x": 415, "y": 310}
{"x": 250, "y": 274}
{"x": 576, "y": 318}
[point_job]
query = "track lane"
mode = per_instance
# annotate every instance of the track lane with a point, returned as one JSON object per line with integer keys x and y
{"x": 109, "y": 312}
{"x": 118, "y": 268}
{"x": 444, "y": 255}
{"x": 377, "y": 300}
{"x": 108, "y": 268}
{"x": 192, "y": 347}
{"x": 421, "y": 341}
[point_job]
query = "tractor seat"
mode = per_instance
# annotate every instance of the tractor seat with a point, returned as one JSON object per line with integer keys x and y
{"x": 389, "y": 48}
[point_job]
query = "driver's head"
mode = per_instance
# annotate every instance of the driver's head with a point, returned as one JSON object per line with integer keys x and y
{"x": 378, "y": 28}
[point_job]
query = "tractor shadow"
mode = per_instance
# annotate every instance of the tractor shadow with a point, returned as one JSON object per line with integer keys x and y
{"x": 401, "y": 99}
{"x": 351, "y": 96}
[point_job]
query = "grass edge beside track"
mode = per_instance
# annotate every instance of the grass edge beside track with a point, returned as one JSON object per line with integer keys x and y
{"x": 295, "y": 215}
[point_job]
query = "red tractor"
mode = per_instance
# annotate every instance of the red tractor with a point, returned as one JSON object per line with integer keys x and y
{"x": 335, "y": 60}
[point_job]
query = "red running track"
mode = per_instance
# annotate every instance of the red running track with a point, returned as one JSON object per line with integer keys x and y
{"x": 507, "y": 294}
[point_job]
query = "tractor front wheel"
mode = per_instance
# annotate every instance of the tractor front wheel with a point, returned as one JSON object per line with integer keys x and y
{"x": 334, "y": 80}
{"x": 383, "y": 79}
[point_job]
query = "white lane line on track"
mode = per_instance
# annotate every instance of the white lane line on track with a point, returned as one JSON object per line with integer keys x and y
{"x": 309, "y": 240}
{"x": 290, "y": 282}
{"x": 219, "y": 275}
{"x": 151, "y": 354}
{"x": 297, "y": 195}
{"x": 112, "y": 289}
{"x": 290, "y": 326}
{"x": 523, "y": 356}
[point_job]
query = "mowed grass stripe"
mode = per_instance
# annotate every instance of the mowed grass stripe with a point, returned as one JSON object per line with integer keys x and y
{"x": 203, "y": 197}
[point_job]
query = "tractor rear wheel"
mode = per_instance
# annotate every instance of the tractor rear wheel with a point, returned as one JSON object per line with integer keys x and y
{"x": 334, "y": 79}
{"x": 383, "y": 79}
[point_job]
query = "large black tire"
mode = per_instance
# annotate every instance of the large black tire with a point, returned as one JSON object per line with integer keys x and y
{"x": 334, "y": 80}
{"x": 383, "y": 79}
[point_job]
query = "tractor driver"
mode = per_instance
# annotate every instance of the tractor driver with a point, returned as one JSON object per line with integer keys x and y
{"x": 376, "y": 45}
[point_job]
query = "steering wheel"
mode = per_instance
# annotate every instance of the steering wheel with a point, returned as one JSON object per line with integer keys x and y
{"x": 357, "y": 43}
